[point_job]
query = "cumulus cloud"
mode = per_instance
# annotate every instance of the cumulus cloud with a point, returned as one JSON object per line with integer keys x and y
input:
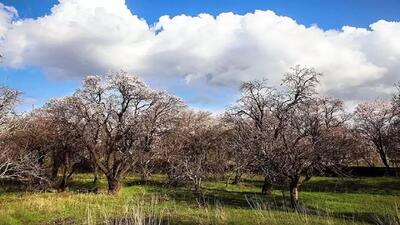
{"x": 95, "y": 36}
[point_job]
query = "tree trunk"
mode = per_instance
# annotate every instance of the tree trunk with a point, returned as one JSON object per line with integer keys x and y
{"x": 114, "y": 185}
{"x": 41, "y": 156}
{"x": 382, "y": 154}
{"x": 95, "y": 174}
{"x": 385, "y": 161}
{"x": 65, "y": 174}
{"x": 237, "y": 178}
{"x": 63, "y": 184}
{"x": 55, "y": 168}
{"x": 294, "y": 194}
{"x": 267, "y": 187}
{"x": 54, "y": 171}
{"x": 144, "y": 178}
{"x": 197, "y": 184}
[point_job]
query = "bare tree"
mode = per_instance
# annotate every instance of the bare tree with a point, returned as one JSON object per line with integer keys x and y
{"x": 373, "y": 121}
{"x": 250, "y": 118}
{"x": 394, "y": 133}
{"x": 293, "y": 130}
{"x": 160, "y": 119}
{"x": 23, "y": 168}
{"x": 15, "y": 161}
{"x": 269, "y": 110}
{"x": 241, "y": 146}
{"x": 316, "y": 140}
{"x": 193, "y": 148}
{"x": 65, "y": 140}
{"x": 21, "y": 156}
{"x": 8, "y": 101}
{"x": 113, "y": 110}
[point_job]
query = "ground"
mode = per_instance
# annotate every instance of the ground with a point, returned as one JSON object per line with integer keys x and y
{"x": 324, "y": 201}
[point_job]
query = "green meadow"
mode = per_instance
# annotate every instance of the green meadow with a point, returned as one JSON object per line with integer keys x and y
{"x": 324, "y": 200}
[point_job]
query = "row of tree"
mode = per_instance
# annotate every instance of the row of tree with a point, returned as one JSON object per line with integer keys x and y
{"x": 115, "y": 124}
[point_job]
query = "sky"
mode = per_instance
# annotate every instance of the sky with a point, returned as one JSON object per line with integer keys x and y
{"x": 200, "y": 50}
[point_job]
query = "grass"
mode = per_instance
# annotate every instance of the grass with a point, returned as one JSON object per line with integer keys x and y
{"x": 325, "y": 201}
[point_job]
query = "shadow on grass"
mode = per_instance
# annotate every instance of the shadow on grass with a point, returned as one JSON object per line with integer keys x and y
{"x": 11, "y": 186}
{"x": 257, "y": 201}
{"x": 381, "y": 186}
{"x": 375, "y": 185}
{"x": 151, "y": 183}
{"x": 369, "y": 218}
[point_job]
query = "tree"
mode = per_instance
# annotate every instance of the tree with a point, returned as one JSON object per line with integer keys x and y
{"x": 394, "y": 132}
{"x": 65, "y": 140}
{"x": 292, "y": 130}
{"x": 8, "y": 101}
{"x": 373, "y": 121}
{"x": 251, "y": 126}
{"x": 313, "y": 140}
{"x": 160, "y": 119}
{"x": 241, "y": 146}
{"x": 19, "y": 159}
{"x": 269, "y": 111}
{"x": 113, "y": 110}
{"x": 193, "y": 149}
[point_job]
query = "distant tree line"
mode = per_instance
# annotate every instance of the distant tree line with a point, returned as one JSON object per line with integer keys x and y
{"x": 116, "y": 124}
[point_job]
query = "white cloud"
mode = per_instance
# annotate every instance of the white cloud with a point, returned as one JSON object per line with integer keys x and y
{"x": 94, "y": 36}
{"x": 7, "y": 13}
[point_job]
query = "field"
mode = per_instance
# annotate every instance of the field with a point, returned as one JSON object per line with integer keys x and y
{"x": 324, "y": 201}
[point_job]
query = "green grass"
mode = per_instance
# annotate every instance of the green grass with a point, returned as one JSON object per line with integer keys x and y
{"x": 324, "y": 200}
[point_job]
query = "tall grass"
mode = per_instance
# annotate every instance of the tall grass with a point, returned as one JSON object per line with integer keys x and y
{"x": 137, "y": 212}
{"x": 390, "y": 219}
{"x": 142, "y": 212}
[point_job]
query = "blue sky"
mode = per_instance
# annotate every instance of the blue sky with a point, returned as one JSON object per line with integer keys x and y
{"x": 327, "y": 14}
{"x": 38, "y": 87}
